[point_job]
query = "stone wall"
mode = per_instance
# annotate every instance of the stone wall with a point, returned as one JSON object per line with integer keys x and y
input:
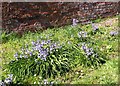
{"x": 22, "y": 16}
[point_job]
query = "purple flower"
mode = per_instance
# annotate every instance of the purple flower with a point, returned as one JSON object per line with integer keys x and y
{"x": 33, "y": 43}
{"x": 113, "y": 33}
{"x": 48, "y": 42}
{"x": 88, "y": 51}
{"x": 42, "y": 52}
{"x": 95, "y": 28}
{"x": 82, "y": 34}
{"x": 84, "y": 47}
{"x": 16, "y": 55}
{"x": 30, "y": 53}
{"x": 52, "y": 46}
{"x": 74, "y": 22}
{"x": 40, "y": 49}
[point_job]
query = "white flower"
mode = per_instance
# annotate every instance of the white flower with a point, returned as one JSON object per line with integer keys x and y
{"x": 35, "y": 75}
{"x": 34, "y": 82}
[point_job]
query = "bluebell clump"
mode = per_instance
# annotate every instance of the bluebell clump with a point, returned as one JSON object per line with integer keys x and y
{"x": 40, "y": 49}
{"x": 94, "y": 57}
{"x": 42, "y": 57}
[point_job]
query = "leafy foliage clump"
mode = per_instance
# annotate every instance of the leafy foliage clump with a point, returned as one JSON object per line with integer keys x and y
{"x": 45, "y": 59}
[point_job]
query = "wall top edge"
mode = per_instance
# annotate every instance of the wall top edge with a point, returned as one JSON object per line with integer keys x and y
{"x": 59, "y": 0}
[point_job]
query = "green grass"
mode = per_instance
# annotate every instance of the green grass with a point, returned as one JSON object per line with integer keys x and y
{"x": 105, "y": 74}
